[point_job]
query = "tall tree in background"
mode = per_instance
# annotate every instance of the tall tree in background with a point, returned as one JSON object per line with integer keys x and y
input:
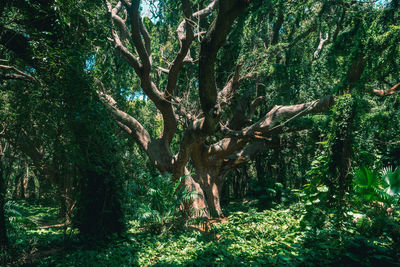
{"x": 51, "y": 113}
{"x": 3, "y": 228}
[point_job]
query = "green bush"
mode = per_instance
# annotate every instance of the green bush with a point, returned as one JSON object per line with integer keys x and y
{"x": 162, "y": 205}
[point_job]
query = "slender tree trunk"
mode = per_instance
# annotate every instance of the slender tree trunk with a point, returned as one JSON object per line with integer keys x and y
{"x": 240, "y": 182}
{"x": 279, "y": 174}
{"x": 27, "y": 183}
{"x": 66, "y": 199}
{"x": 3, "y": 231}
{"x": 341, "y": 157}
{"x": 19, "y": 187}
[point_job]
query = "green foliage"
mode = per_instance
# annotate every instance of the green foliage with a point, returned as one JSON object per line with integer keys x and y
{"x": 269, "y": 238}
{"x": 366, "y": 183}
{"x": 164, "y": 198}
{"x": 373, "y": 187}
{"x": 63, "y": 117}
{"x": 391, "y": 181}
{"x": 376, "y": 199}
{"x": 23, "y": 216}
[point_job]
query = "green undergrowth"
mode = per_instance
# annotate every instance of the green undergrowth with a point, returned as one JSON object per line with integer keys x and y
{"x": 249, "y": 238}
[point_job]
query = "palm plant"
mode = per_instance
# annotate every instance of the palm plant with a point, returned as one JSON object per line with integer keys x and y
{"x": 165, "y": 197}
{"x": 374, "y": 187}
{"x": 391, "y": 181}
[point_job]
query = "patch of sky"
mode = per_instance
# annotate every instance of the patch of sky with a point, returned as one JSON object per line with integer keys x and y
{"x": 90, "y": 63}
{"x": 150, "y": 10}
{"x": 382, "y": 3}
{"x": 29, "y": 70}
{"x": 138, "y": 95}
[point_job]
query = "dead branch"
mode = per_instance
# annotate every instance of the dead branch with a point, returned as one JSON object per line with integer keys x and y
{"x": 387, "y": 92}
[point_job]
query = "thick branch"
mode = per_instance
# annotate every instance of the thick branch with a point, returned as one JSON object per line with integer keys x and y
{"x": 185, "y": 37}
{"x": 239, "y": 118}
{"x": 127, "y": 122}
{"x": 226, "y": 94}
{"x": 322, "y": 41}
{"x": 267, "y": 125}
{"x": 226, "y": 146}
{"x": 136, "y": 34}
{"x": 302, "y": 36}
{"x": 245, "y": 154}
{"x": 143, "y": 70}
{"x": 212, "y": 42}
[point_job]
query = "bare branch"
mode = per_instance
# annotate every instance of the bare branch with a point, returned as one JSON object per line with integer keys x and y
{"x": 322, "y": 41}
{"x": 19, "y": 75}
{"x": 124, "y": 52}
{"x": 163, "y": 70}
{"x": 268, "y": 125}
{"x": 118, "y": 43}
{"x": 387, "y": 92}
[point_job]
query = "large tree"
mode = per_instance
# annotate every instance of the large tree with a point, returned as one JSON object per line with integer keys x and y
{"x": 216, "y": 135}
{"x": 216, "y": 128}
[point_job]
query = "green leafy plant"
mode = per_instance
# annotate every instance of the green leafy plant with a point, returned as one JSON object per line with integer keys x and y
{"x": 366, "y": 184}
{"x": 164, "y": 200}
{"x": 17, "y": 217}
{"x": 371, "y": 186}
{"x": 379, "y": 193}
{"x": 391, "y": 181}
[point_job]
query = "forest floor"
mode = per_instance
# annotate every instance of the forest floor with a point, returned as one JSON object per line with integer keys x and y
{"x": 246, "y": 237}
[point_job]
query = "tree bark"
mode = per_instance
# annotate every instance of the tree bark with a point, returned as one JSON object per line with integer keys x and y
{"x": 209, "y": 176}
{"x": 3, "y": 229}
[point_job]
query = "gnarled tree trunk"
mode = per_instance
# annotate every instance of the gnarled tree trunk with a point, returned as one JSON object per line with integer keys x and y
{"x": 200, "y": 125}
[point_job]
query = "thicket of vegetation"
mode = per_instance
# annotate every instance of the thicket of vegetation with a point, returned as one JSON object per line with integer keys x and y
{"x": 224, "y": 132}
